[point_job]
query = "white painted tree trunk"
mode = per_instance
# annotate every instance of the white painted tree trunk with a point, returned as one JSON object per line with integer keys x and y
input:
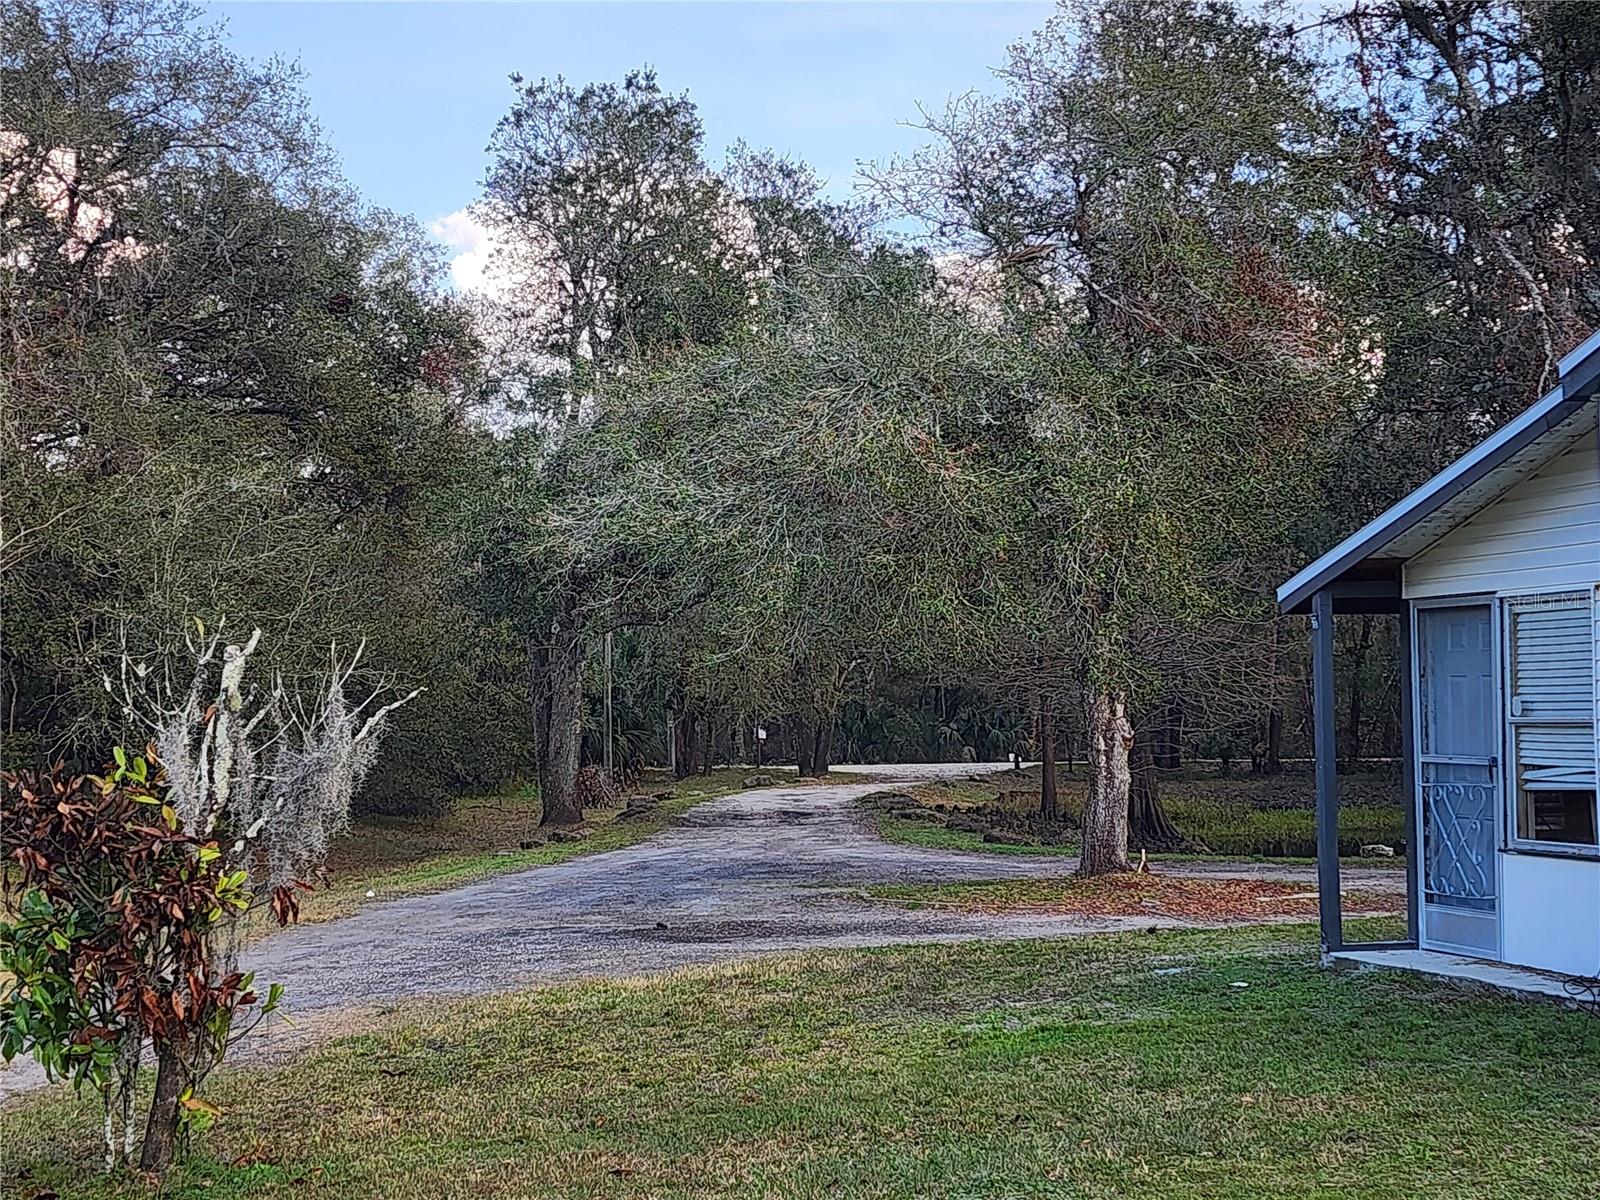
{"x": 1105, "y": 813}
{"x": 117, "y": 1096}
{"x": 127, "y": 1082}
{"x": 109, "y": 1133}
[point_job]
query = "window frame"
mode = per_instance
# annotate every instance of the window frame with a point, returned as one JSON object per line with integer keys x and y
{"x": 1509, "y": 604}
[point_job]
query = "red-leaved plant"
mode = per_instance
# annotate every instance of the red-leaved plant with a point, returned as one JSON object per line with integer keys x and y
{"x": 114, "y": 939}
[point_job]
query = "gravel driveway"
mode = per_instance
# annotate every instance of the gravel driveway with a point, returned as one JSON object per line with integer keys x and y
{"x": 759, "y": 871}
{"x": 767, "y": 870}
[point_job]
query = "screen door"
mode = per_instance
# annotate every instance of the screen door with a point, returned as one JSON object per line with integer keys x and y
{"x": 1458, "y": 769}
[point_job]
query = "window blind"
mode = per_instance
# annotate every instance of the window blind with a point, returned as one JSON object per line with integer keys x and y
{"x": 1552, "y": 693}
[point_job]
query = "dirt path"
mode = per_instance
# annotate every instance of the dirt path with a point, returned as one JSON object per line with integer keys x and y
{"x": 760, "y": 871}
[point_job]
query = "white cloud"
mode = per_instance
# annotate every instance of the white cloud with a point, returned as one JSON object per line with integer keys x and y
{"x": 472, "y": 246}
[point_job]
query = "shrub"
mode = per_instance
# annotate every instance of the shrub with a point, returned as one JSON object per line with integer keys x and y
{"x": 110, "y": 944}
{"x": 460, "y": 739}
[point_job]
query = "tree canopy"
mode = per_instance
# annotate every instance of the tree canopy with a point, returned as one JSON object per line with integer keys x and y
{"x": 1038, "y": 412}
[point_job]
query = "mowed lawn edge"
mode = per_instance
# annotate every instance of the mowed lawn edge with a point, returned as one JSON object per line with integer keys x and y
{"x": 1182, "y": 1064}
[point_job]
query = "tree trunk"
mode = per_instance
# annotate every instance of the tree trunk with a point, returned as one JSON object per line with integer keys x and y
{"x": 127, "y": 1081}
{"x": 822, "y": 746}
{"x": 1272, "y": 759}
{"x": 1352, "y": 725}
{"x": 161, "y": 1126}
{"x": 1168, "y": 750}
{"x": 814, "y": 738}
{"x": 710, "y": 744}
{"x": 1049, "y": 805}
{"x": 1105, "y": 814}
{"x": 1148, "y": 822}
{"x": 555, "y": 688}
{"x": 564, "y": 806}
{"x": 686, "y": 753}
{"x": 804, "y": 744}
{"x": 109, "y": 1163}
{"x": 1272, "y": 764}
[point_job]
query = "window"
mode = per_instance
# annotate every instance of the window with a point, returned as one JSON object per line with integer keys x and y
{"x": 1552, "y": 715}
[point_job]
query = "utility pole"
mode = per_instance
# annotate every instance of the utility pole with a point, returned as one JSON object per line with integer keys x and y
{"x": 610, "y": 761}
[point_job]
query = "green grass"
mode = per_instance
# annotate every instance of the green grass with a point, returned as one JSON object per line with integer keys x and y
{"x": 1092, "y": 1068}
{"x": 1230, "y": 826}
{"x": 1235, "y": 817}
{"x": 477, "y": 839}
{"x": 917, "y": 833}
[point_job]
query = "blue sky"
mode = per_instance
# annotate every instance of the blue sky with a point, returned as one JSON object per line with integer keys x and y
{"x": 408, "y": 92}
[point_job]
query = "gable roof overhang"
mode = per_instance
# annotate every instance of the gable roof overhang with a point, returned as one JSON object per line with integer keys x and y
{"x": 1363, "y": 571}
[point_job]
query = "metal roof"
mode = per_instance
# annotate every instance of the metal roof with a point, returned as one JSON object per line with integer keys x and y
{"x": 1517, "y": 450}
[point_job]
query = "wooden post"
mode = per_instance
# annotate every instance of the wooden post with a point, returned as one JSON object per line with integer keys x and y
{"x": 1408, "y": 780}
{"x": 1327, "y": 766}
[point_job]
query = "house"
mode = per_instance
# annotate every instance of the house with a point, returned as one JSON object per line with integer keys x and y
{"x": 1492, "y": 567}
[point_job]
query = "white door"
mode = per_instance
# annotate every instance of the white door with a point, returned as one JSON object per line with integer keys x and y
{"x": 1458, "y": 778}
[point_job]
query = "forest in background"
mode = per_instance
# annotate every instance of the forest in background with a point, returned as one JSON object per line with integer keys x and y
{"x": 1005, "y": 452}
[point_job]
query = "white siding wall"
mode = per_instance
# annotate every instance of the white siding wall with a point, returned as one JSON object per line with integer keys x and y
{"x": 1550, "y": 913}
{"x": 1542, "y": 535}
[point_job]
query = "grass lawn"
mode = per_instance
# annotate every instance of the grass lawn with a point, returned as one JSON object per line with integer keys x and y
{"x": 1214, "y": 1065}
{"x": 915, "y": 833}
{"x": 407, "y": 856}
{"x": 1236, "y": 817}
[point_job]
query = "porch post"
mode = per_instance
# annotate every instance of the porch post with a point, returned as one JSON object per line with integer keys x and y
{"x": 1327, "y": 765}
{"x": 1408, "y": 780}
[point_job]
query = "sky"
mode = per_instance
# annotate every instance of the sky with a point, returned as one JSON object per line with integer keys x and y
{"x": 408, "y": 93}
